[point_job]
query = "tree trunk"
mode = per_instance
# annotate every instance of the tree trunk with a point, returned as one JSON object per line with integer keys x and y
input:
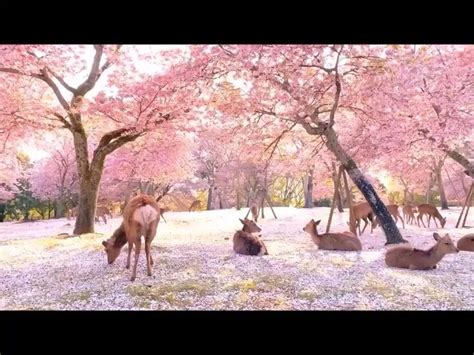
{"x": 428, "y": 191}
{"x": 387, "y": 223}
{"x": 338, "y": 195}
{"x": 442, "y": 193}
{"x": 2, "y": 212}
{"x": 59, "y": 208}
{"x": 209, "y": 198}
{"x": 238, "y": 199}
{"x": 308, "y": 189}
{"x": 460, "y": 159}
{"x": 88, "y": 194}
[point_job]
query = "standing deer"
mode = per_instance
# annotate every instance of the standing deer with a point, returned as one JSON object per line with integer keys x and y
{"x": 254, "y": 211}
{"x": 415, "y": 259}
{"x": 102, "y": 212}
{"x": 363, "y": 211}
{"x": 466, "y": 243}
{"x": 72, "y": 213}
{"x": 393, "y": 210}
{"x": 432, "y": 212}
{"x": 346, "y": 241}
{"x": 246, "y": 243}
{"x": 409, "y": 213}
{"x": 195, "y": 205}
{"x": 140, "y": 217}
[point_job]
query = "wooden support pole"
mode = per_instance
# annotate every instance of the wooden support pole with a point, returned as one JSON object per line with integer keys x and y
{"x": 467, "y": 202}
{"x": 271, "y": 207}
{"x": 338, "y": 182}
{"x": 351, "y": 208}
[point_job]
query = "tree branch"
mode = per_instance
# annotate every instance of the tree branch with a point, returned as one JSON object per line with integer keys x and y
{"x": 338, "y": 90}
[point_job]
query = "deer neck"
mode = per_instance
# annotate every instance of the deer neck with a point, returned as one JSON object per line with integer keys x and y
{"x": 315, "y": 236}
{"x": 435, "y": 253}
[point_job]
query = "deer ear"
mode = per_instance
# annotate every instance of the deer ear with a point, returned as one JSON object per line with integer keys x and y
{"x": 318, "y": 221}
{"x": 436, "y": 236}
{"x": 243, "y": 222}
{"x": 104, "y": 243}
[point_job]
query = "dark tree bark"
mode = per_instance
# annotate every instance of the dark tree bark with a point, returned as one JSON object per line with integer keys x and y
{"x": 442, "y": 193}
{"x": 388, "y": 225}
{"x": 209, "y": 198}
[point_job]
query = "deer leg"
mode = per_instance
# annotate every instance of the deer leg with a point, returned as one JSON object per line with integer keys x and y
{"x": 420, "y": 216}
{"x": 403, "y": 222}
{"x": 105, "y": 219}
{"x": 130, "y": 247}
{"x": 365, "y": 225}
{"x": 138, "y": 245}
{"x": 148, "y": 255}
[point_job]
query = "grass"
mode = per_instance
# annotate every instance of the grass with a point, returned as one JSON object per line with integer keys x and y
{"x": 76, "y": 297}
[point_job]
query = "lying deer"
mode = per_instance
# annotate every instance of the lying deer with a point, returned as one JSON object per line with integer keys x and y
{"x": 393, "y": 210}
{"x": 140, "y": 217}
{"x": 432, "y": 212}
{"x": 246, "y": 243}
{"x": 415, "y": 259}
{"x": 254, "y": 211}
{"x": 195, "y": 205}
{"x": 466, "y": 243}
{"x": 363, "y": 211}
{"x": 102, "y": 212}
{"x": 409, "y": 213}
{"x": 346, "y": 241}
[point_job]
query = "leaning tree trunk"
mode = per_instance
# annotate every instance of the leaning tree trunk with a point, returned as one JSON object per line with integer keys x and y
{"x": 442, "y": 193}
{"x": 385, "y": 219}
{"x": 308, "y": 189}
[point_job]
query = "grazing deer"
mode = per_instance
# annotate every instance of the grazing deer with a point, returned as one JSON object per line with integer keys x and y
{"x": 416, "y": 259}
{"x": 102, "y": 212}
{"x": 393, "y": 210}
{"x": 195, "y": 205}
{"x": 409, "y": 213}
{"x": 466, "y": 243}
{"x": 140, "y": 217}
{"x": 432, "y": 212}
{"x": 363, "y": 211}
{"x": 346, "y": 241}
{"x": 254, "y": 211}
{"x": 246, "y": 243}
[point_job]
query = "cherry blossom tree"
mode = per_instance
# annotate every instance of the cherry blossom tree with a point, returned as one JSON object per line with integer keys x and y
{"x": 57, "y": 85}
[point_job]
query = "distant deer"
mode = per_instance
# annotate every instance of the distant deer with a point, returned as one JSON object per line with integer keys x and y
{"x": 195, "y": 205}
{"x": 432, "y": 212}
{"x": 72, "y": 212}
{"x": 345, "y": 241}
{"x": 246, "y": 243}
{"x": 102, "y": 212}
{"x": 416, "y": 259}
{"x": 254, "y": 211}
{"x": 393, "y": 210}
{"x": 466, "y": 243}
{"x": 363, "y": 211}
{"x": 140, "y": 217}
{"x": 409, "y": 213}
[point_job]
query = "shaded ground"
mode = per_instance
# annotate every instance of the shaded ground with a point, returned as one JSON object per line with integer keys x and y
{"x": 195, "y": 268}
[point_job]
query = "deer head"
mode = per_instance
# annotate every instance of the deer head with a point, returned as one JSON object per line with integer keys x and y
{"x": 445, "y": 244}
{"x": 250, "y": 226}
{"x": 112, "y": 251}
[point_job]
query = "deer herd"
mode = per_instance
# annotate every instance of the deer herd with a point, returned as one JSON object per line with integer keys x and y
{"x": 142, "y": 214}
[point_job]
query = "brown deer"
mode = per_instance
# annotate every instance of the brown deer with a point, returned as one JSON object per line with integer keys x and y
{"x": 246, "y": 243}
{"x": 432, "y": 212}
{"x": 393, "y": 210}
{"x": 102, "y": 212}
{"x": 346, "y": 241}
{"x": 466, "y": 243}
{"x": 416, "y": 259}
{"x": 72, "y": 212}
{"x": 254, "y": 211}
{"x": 409, "y": 213}
{"x": 140, "y": 217}
{"x": 195, "y": 205}
{"x": 363, "y": 211}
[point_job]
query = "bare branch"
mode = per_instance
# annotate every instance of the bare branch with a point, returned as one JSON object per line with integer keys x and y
{"x": 338, "y": 90}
